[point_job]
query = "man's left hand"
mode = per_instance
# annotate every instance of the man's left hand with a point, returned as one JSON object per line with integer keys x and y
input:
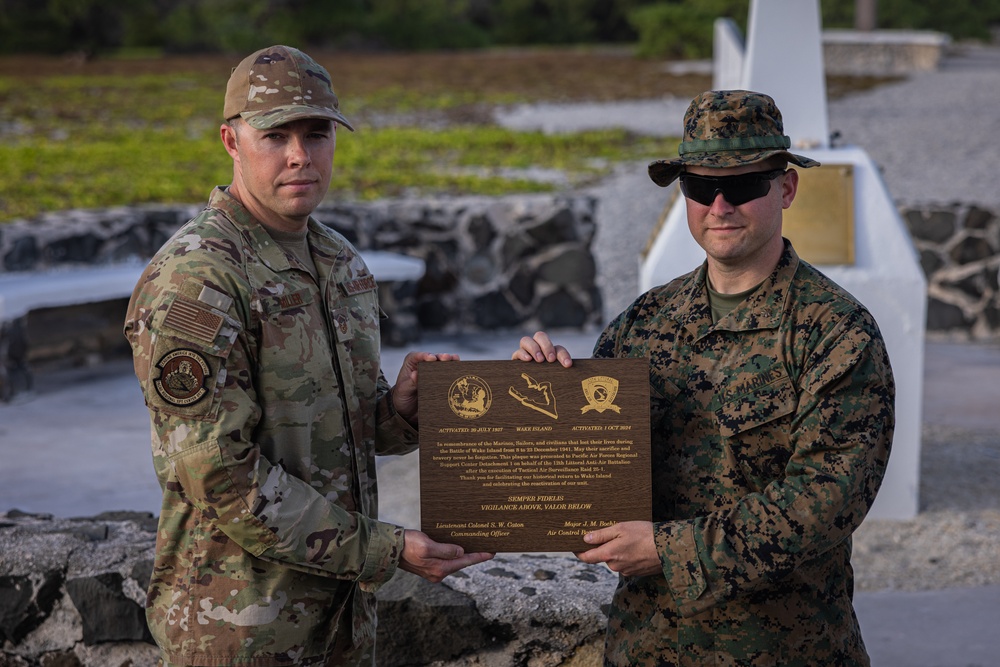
{"x": 404, "y": 394}
{"x": 433, "y": 560}
{"x": 628, "y": 548}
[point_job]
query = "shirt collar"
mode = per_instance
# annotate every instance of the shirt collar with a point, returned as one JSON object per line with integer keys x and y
{"x": 761, "y": 310}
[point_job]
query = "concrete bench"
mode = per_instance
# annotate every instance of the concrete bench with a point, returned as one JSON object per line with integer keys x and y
{"x": 77, "y": 312}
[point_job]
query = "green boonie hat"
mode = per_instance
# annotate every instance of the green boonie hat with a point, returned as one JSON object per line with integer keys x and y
{"x": 280, "y": 84}
{"x": 728, "y": 128}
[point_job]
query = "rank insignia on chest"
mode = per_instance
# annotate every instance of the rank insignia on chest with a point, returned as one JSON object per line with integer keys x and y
{"x": 183, "y": 375}
{"x": 342, "y": 324}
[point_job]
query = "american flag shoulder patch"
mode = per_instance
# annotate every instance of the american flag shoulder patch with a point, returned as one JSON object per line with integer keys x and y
{"x": 192, "y": 319}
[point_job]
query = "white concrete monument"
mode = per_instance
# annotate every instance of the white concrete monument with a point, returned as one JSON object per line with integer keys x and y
{"x": 727, "y": 63}
{"x": 843, "y": 221}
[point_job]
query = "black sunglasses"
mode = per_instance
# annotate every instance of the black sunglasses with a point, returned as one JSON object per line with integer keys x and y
{"x": 735, "y": 189}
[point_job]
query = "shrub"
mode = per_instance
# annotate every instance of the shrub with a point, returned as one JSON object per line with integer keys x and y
{"x": 684, "y": 28}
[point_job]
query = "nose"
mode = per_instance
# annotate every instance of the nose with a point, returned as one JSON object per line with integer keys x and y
{"x": 298, "y": 152}
{"x": 721, "y": 202}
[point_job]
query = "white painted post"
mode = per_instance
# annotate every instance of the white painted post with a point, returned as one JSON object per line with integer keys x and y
{"x": 784, "y": 60}
{"x": 728, "y": 49}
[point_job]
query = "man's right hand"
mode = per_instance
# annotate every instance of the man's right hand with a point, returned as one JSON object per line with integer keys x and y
{"x": 540, "y": 348}
{"x": 433, "y": 560}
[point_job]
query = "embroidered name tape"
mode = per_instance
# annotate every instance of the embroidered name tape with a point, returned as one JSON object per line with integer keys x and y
{"x": 358, "y": 285}
{"x": 290, "y": 300}
{"x": 756, "y": 382}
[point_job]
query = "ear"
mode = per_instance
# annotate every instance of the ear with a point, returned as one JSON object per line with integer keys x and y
{"x": 229, "y": 140}
{"x": 789, "y": 186}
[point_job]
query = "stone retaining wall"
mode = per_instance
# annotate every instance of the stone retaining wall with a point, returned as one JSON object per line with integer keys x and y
{"x": 72, "y": 590}
{"x": 521, "y": 262}
{"x": 518, "y": 263}
{"x": 882, "y": 52}
{"x": 959, "y": 247}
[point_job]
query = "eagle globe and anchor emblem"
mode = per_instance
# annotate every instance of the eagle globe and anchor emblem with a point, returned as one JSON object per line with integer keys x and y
{"x": 470, "y": 397}
{"x": 600, "y": 392}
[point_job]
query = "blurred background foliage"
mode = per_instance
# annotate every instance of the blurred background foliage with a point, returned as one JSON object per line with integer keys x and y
{"x": 675, "y": 28}
{"x": 112, "y": 102}
{"x": 109, "y": 131}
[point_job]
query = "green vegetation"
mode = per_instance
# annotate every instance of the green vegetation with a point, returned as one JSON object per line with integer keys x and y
{"x": 235, "y": 26}
{"x": 684, "y": 29}
{"x": 166, "y": 165}
{"x": 121, "y": 133}
{"x": 468, "y": 159}
{"x": 191, "y": 26}
{"x": 95, "y": 129}
{"x": 90, "y": 172}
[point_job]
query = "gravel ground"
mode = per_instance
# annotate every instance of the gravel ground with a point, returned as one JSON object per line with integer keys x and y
{"x": 955, "y": 540}
{"x": 629, "y": 207}
{"x": 936, "y": 138}
{"x": 936, "y": 135}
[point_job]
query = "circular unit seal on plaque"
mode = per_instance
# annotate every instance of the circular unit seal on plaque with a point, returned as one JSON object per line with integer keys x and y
{"x": 470, "y": 397}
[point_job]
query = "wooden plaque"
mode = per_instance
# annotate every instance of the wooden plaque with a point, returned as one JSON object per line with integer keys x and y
{"x": 526, "y": 457}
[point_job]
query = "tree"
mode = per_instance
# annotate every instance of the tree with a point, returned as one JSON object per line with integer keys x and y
{"x": 865, "y": 15}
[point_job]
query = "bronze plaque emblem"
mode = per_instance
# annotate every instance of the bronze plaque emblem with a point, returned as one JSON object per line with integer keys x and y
{"x": 529, "y": 457}
{"x": 470, "y": 397}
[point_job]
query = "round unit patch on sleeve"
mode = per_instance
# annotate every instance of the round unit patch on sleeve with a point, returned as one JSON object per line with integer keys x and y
{"x": 183, "y": 374}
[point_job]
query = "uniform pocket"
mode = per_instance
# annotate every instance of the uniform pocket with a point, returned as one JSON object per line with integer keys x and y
{"x": 755, "y": 430}
{"x": 293, "y": 349}
{"x": 662, "y": 395}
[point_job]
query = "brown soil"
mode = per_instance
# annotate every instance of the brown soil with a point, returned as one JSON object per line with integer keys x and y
{"x": 563, "y": 74}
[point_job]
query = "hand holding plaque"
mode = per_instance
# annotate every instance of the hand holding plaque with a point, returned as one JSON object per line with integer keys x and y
{"x": 530, "y": 457}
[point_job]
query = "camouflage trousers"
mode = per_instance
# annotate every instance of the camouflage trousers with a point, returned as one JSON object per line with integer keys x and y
{"x": 341, "y": 654}
{"x": 363, "y": 656}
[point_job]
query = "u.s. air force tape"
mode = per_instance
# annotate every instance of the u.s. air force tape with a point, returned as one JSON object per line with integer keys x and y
{"x": 183, "y": 375}
{"x": 360, "y": 284}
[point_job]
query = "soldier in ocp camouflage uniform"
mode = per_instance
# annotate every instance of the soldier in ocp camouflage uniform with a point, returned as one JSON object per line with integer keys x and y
{"x": 255, "y": 335}
{"x": 772, "y": 417}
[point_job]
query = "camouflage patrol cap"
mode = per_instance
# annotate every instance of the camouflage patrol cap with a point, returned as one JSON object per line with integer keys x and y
{"x": 728, "y": 128}
{"x": 280, "y": 84}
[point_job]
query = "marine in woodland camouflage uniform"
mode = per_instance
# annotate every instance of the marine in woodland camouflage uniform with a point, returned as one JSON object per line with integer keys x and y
{"x": 771, "y": 430}
{"x": 260, "y": 368}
